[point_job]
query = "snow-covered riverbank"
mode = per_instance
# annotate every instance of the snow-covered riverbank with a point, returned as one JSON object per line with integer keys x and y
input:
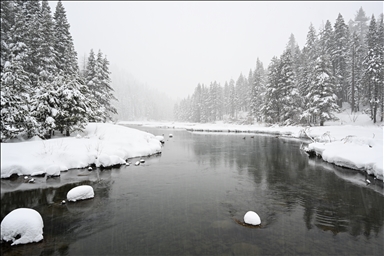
{"x": 100, "y": 144}
{"x": 356, "y": 145}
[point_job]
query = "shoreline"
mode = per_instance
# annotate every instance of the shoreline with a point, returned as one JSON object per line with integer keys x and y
{"x": 299, "y": 133}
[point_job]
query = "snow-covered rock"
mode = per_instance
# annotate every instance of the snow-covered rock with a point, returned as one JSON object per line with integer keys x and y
{"x": 80, "y": 193}
{"x": 252, "y": 218}
{"x": 22, "y": 226}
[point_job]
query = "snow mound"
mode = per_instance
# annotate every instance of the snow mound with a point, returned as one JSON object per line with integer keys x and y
{"x": 53, "y": 170}
{"x": 252, "y": 218}
{"x": 160, "y": 137}
{"x": 102, "y": 144}
{"x": 80, "y": 193}
{"x": 24, "y": 222}
{"x": 356, "y": 153}
{"x": 108, "y": 160}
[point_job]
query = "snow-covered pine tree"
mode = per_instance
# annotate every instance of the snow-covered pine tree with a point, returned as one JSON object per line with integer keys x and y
{"x": 72, "y": 89}
{"x": 381, "y": 51}
{"x": 66, "y": 59}
{"x": 290, "y": 99}
{"x": 226, "y": 104}
{"x": 15, "y": 91}
{"x": 306, "y": 70}
{"x": 322, "y": 97}
{"x": 16, "y": 87}
{"x": 196, "y": 104}
{"x": 257, "y": 90}
{"x": 7, "y": 15}
{"x": 45, "y": 103}
{"x": 74, "y": 104}
{"x": 32, "y": 13}
{"x": 232, "y": 98}
{"x": 45, "y": 53}
{"x": 271, "y": 106}
{"x": 360, "y": 25}
{"x": 355, "y": 58}
{"x": 241, "y": 93}
{"x": 339, "y": 58}
{"x": 106, "y": 87}
{"x": 326, "y": 39}
{"x": 373, "y": 68}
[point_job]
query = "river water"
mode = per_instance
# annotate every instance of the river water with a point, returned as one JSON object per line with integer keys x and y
{"x": 191, "y": 199}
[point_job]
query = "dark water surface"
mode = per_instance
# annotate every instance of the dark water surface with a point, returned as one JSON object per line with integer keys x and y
{"x": 187, "y": 200}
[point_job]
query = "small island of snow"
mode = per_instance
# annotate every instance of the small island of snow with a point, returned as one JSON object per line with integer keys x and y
{"x": 22, "y": 226}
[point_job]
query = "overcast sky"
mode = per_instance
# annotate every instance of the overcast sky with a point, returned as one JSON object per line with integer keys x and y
{"x": 173, "y": 46}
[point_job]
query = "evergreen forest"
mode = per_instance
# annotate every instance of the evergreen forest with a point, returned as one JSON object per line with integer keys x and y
{"x": 303, "y": 86}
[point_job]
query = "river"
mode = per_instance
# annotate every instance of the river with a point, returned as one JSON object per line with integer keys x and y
{"x": 191, "y": 199}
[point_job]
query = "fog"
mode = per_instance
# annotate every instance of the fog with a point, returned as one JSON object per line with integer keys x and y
{"x": 173, "y": 46}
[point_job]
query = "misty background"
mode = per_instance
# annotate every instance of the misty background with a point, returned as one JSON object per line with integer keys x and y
{"x": 160, "y": 51}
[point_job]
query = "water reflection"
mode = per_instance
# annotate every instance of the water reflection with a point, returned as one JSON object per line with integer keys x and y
{"x": 282, "y": 174}
{"x": 187, "y": 201}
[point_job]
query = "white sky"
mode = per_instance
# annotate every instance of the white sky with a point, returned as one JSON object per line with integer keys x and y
{"x": 173, "y": 46}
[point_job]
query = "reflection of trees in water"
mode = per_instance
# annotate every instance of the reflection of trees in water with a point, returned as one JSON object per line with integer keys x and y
{"x": 329, "y": 203}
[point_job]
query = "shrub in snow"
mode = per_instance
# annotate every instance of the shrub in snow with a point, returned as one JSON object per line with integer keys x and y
{"x": 252, "y": 218}
{"x": 22, "y": 226}
{"x": 80, "y": 193}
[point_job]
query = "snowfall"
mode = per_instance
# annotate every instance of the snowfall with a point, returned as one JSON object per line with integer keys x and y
{"x": 352, "y": 141}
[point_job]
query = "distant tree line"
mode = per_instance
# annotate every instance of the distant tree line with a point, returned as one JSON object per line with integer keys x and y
{"x": 42, "y": 88}
{"x": 340, "y": 63}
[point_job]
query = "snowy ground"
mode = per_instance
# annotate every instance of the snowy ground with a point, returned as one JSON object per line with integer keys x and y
{"x": 353, "y": 141}
{"x": 99, "y": 144}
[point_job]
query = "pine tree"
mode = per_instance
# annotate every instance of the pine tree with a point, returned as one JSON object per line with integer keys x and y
{"x": 16, "y": 87}
{"x": 232, "y": 98}
{"x": 373, "y": 68}
{"x": 45, "y": 52}
{"x": 7, "y": 15}
{"x": 271, "y": 107}
{"x": 105, "y": 82}
{"x": 309, "y": 55}
{"x": 289, "y": 95}
{"x": 66, "y": 58}
{"x": 257, "y": 90}
{"x": 381, "y": 51}
{"x": 339, "y": 55}
{"x": 15, "y": 117}
{"x": 322, "y": 97}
